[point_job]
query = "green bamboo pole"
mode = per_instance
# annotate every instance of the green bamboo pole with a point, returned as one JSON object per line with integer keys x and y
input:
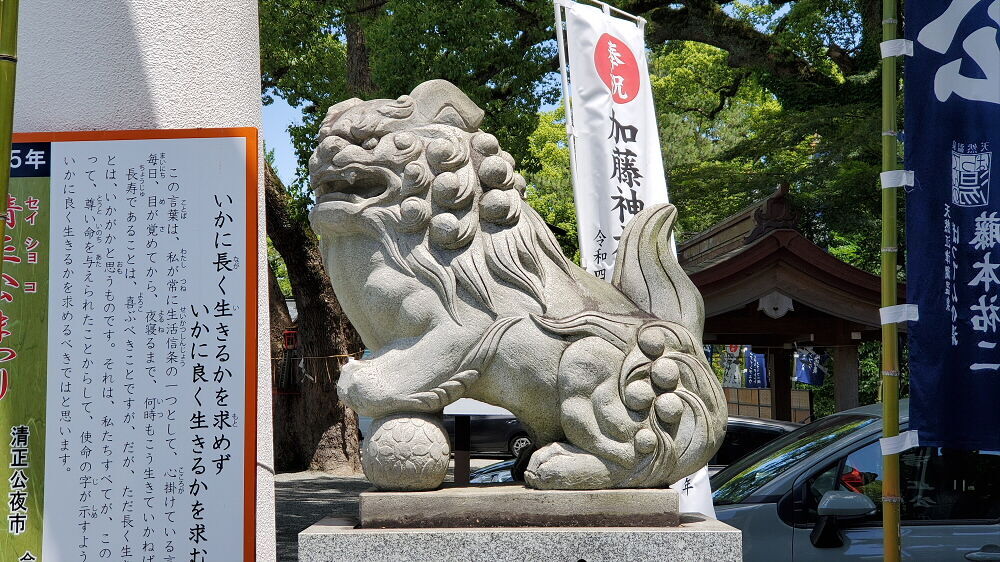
{"x": 8, "y": 67}
{"x": 890, "y": 354}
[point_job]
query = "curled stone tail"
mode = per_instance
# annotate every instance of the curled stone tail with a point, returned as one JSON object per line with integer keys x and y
{"x": 647, "y": 271}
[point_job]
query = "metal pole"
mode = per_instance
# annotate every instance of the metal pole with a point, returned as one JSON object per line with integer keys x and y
{"x": 567, "y": 100}
{"x": 890, "y": 354}
{"x": 8, "y": 67}
{"x": 607, "y": 8}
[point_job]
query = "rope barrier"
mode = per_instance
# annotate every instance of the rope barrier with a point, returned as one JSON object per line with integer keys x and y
{"x": 275, "y": 358}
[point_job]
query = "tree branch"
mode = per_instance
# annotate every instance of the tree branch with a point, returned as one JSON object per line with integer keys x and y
{"x": 728, "y": 92}
{"x": 366, "y": 8}
{"x": 533, "y": 26}
{"x": 842, "y": 58}
{"x": 788, "y": 75}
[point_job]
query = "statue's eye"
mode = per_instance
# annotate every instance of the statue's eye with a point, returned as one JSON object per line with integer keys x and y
{"x": 370, "y": 143}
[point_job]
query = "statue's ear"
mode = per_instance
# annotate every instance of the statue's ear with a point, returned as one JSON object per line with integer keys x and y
{"x": 440, "y": 101}
{"x": 335, "y": 112}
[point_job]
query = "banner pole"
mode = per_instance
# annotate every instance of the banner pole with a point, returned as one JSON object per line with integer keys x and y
{"x": 8, "y": 69}
{"x": 567, "y": 111}
{"x": 611, "y": 10}
{"x": 890, "y": 354}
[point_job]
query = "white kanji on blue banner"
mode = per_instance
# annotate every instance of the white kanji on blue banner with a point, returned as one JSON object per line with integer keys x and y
{"x": 953, "y": 222}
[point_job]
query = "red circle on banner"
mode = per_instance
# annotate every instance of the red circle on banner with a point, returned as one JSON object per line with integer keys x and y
{"x": 616, "y": 66}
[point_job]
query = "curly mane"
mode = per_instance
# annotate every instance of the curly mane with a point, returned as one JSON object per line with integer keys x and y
{"x": 461, "y": 220}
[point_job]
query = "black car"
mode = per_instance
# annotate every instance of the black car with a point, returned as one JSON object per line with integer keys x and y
{"x": 501, "y": 435}
{"x": 492, "y": 434}
{"x": 743, "y": 436}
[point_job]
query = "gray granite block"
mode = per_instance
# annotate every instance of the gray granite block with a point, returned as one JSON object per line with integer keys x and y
{"x": 518, "y": 506}
{"x": 696, "y": 539}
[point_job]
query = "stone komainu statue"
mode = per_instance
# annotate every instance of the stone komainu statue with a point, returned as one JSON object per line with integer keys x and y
{"x": 460, "y": 290}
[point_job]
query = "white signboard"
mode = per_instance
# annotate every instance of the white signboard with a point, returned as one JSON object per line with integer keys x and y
{"x": 149, "y": 434}
{"x": 617, "y": 163}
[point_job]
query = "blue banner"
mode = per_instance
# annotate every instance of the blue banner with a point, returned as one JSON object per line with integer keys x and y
{"x": 756, "y": 372}
{"x": 809, "y": 367}
{"x": 953, "y": 222}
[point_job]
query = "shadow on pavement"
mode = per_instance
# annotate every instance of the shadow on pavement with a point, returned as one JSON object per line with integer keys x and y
{"x": 303, "y": 498}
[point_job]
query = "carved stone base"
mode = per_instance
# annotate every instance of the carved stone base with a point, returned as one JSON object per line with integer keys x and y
{"x": 695, "y": 538}
{"x": 512, "y": 505}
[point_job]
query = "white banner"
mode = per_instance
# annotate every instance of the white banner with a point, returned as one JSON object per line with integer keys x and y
{"x": 617, "y": 164}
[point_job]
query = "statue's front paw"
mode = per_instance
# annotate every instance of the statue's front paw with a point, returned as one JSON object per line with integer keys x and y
{"x": 349, "y": 382}
{"x": 367, "y": 390}
{"x": 561, "y": 466}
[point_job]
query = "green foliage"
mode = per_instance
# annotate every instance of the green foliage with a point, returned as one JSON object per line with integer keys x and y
{"x": 728, "y": 142}
{"x": 830, "y": 157}
{"x": 809, "y": 27}
{"x": 731, "y": 129}
{"x": 835, "y": 42}
{"x": 269, "y": 155}
{"x": 695, "y": 124}
{"x": 735, "y": 120}
{"x": 280, "y": 271}
{"x": 302, "y": 55}
{"x": 550, "y": 189}
{"x": 498, "y": 52}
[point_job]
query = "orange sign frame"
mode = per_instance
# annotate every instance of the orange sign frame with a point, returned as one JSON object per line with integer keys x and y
{"x": 250, "y": 134}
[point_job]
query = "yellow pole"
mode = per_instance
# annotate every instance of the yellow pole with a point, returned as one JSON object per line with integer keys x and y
{"x": 8, "y": 67}
{"x": 890, "y": 353}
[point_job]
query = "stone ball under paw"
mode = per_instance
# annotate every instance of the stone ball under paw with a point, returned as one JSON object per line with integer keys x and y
{"x": 406, "y": 452}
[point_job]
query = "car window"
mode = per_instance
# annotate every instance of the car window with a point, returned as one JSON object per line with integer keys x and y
{"x": 859, "y": 472}
{"x": 945, "y": 484}
{"x": 742, "y": 478}
{"x": 937, "y": 484}
{"x": 741, "y": 441}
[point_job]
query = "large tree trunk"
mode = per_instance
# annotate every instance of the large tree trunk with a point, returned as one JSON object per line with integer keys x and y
{"x": 312, "y": 428}
{"x": 281, "y": 319}
{"x": 359, "y": 73}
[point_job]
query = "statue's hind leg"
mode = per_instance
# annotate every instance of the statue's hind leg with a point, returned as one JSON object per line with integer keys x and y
{"x": 599, "y": 431}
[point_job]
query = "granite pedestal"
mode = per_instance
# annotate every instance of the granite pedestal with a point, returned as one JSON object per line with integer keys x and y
{"x": 514, "y": 505}
{"x": 503, "y": 523}
{"x": 695, "y": 539}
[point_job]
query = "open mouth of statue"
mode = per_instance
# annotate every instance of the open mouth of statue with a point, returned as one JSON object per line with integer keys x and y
{"x": 353, "y": 183}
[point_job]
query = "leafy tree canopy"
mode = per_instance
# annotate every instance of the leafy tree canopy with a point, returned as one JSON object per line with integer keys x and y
{"x": 750, "y": 93}
{"x": 550, "y": 189}
{"x": 753, "y": 93}
{"x": 500, "y": 52}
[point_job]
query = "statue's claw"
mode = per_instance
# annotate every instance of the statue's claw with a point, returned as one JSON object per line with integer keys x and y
{"x": 561, "y": 466}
